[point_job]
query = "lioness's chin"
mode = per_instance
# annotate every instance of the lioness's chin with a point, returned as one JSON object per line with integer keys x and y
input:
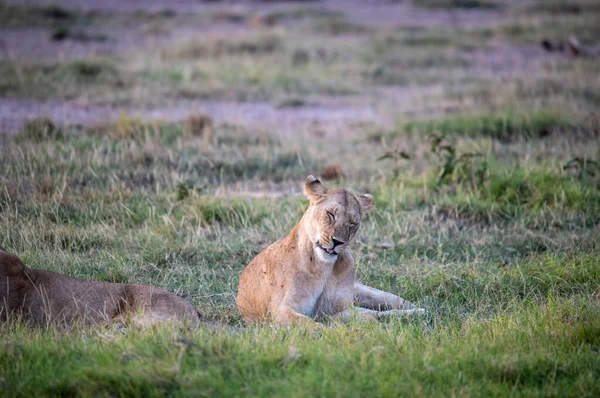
{"x": 324, "y": 255}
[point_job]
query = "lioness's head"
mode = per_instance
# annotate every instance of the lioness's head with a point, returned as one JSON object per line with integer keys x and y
{"x": 333, "y": 217}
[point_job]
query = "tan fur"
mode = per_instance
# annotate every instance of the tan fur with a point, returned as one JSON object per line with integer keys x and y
{"x": 43, "y": 298}
{"x": 295, "y": 280}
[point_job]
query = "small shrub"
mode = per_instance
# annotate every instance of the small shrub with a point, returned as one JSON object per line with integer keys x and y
{"x": 39, "y": 129}
{"x": 397, "y": 157}
{"x": 455, "y": 168}
{"x": 332, "y": 171}
{"x": 199, "y": 125}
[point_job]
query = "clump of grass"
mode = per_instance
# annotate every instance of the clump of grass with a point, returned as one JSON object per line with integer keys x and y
{"x": 16, "y": 15}
{"x": 537, "y": 190}
{"x": 547, "y": 27}
{"x": 74, "y": 240}
{"x": 64, "y": 33}
{"x": 126, "y": 128}
{"x": 584, "y": 168}
{"x": 55, "y": 11}
{"x": 291, "y": 102}
{"x": 433, "y": 38}
{"x": 481, "y": 192}
{"x": 236, "y": 212}
{"x": 459, "y": 168}
{"x": 84, "y": 70}
{"x": 276, "y": 166}
{"x": 335, "y": 25}
{"x": 332, "y": 171}
{"x": 562, "y": 7}
{"x": 199, "y": 125}
{"x": 519, "y": 194}
{"x": 536, "y": 278}
{"x": 233, "y": 16}
{"x": 66, "y": 79}
{"x": 254, "y": 45}
{"x": 40, "y": 129}
{"x": 464, "y": 4}
{"x": 304, "y": 13}
{"x": 503, "y": 126}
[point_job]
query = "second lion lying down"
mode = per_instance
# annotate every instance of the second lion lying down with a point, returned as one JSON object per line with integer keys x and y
{"x": 310, "y": 274}
{"x": 44, "y": 298}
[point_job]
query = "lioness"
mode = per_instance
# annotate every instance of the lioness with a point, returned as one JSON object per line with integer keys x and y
{"x": 310, "y": 274}
{"x": 43, "y": 298}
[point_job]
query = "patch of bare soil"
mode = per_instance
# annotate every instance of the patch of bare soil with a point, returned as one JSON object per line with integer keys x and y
{"x": 507, "y": 60}
{"x": 15, "y": 112}
{"x": 322, "y": 118}
{"x": 368, "y": 12}
{"x": 404, "y": 13}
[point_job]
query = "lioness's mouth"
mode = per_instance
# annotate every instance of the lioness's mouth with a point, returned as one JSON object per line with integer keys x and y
{"x": 328, "y": 251}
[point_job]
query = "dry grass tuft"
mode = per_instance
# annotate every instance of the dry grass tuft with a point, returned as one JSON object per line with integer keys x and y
{"x": 333, "y": 171}
{"x": 199, "y": 125}
{"x": 39, "y": 129}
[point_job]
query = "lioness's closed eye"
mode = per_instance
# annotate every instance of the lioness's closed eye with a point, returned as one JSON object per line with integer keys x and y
{"x": 310, "y": 273}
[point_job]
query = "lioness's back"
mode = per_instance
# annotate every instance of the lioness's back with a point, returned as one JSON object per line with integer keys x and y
{"x": 252, "y": 299}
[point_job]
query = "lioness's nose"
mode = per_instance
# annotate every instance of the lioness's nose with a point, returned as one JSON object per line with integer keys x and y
{"x": 337, "y": 242}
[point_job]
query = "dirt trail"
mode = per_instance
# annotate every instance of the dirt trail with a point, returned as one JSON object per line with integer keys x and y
{"x": 368, "y": 12}
{"x": 326, "y": 117}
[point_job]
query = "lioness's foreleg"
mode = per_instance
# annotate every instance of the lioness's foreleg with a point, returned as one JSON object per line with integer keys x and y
{"x": 368, "y": 314}
{"x": 287, "y": 316}
{"x": 378, "y": 300}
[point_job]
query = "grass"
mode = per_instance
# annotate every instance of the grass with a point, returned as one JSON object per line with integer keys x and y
{"x": 300, "y": 13}
{"x": 477, "y": 219}
{"x": 460, "y": 4}
{"x": 171, "y": 362}
{"x": 50, "y": 15}
{"x": 508, "y": 271}
{"x": 563, "y": 7}
{"x": 66, "y": 80}
{"x": 217, "y": 48}
{"x": 535, "y": 198}
{"x": 507, "y": 125}
{"x": 532, "y": 27}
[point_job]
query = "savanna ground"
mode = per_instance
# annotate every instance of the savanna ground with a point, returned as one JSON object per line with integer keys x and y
{"x": 167, "y": 146}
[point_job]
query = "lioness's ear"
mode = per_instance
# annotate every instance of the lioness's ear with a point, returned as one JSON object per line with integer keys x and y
{"x": 366, "y": 202}
{"x": 313, "y": 188}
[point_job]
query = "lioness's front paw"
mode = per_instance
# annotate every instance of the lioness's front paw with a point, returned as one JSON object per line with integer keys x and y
{"x": 416, "y": 311}
{"x": 412, "y": 311}
{"x": 404, "y": 305}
